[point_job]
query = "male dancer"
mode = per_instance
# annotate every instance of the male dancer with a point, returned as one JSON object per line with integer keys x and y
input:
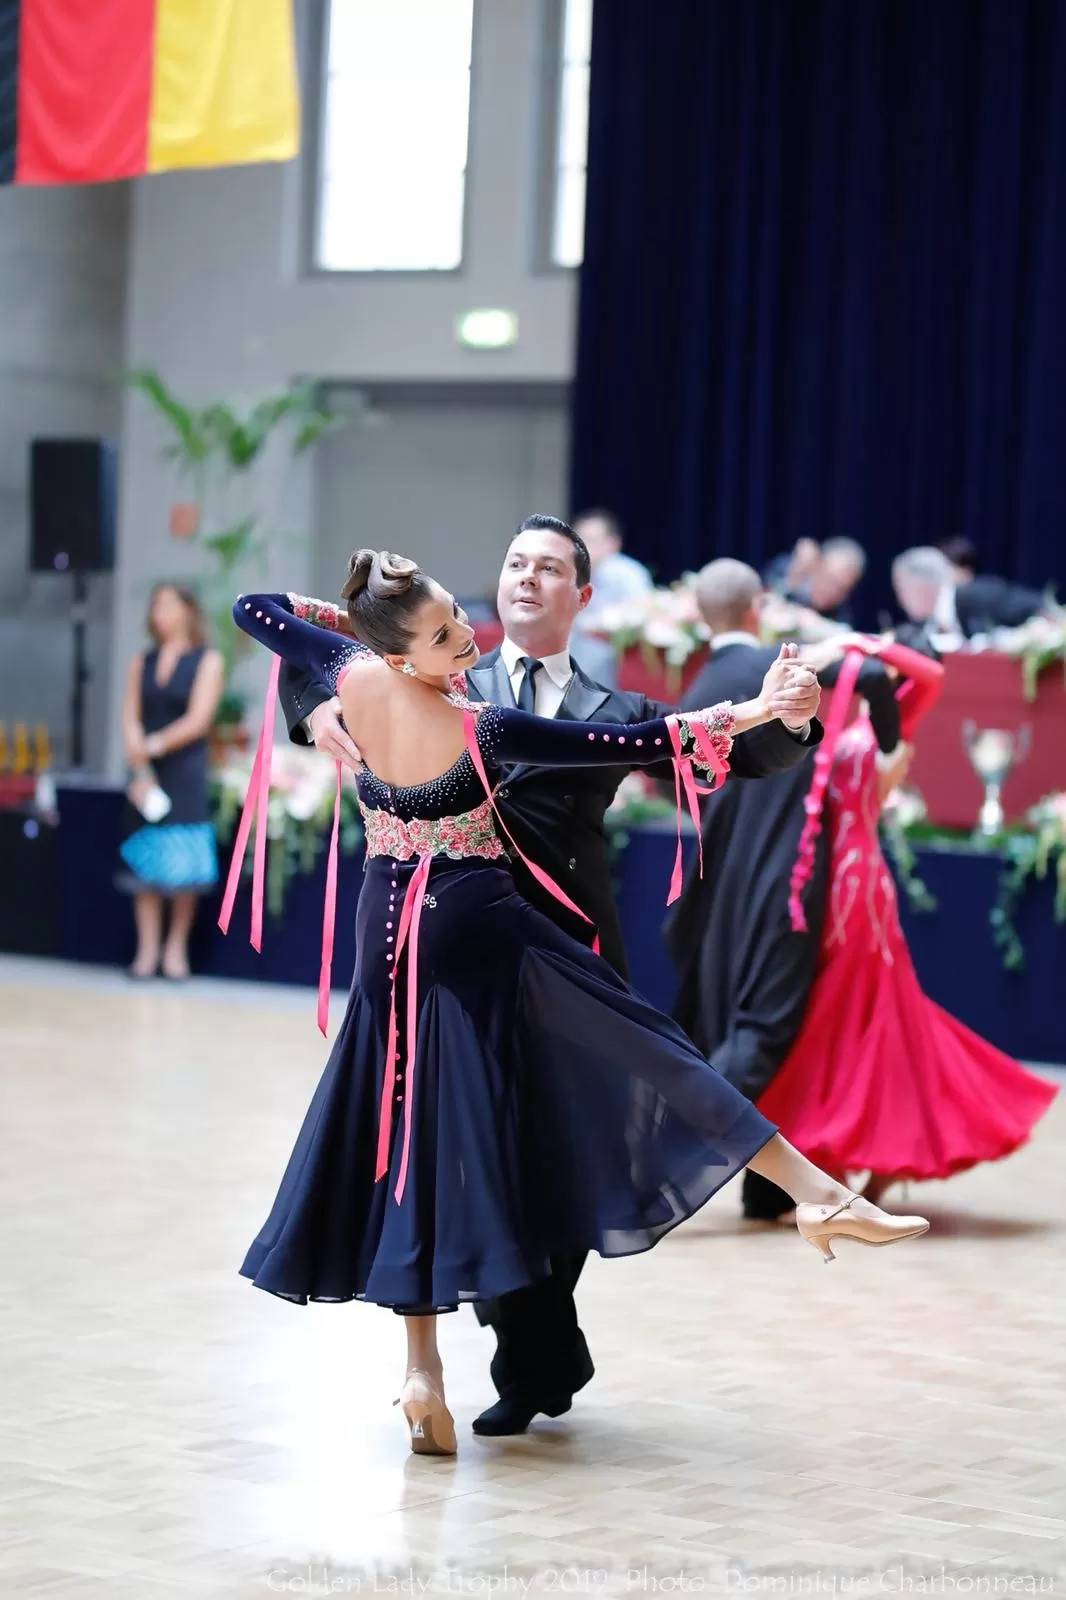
{"x": 557, "y": 819}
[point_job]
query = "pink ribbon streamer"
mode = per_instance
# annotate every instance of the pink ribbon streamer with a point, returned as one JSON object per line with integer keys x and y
{"x": 329, "y": 913}
{"x": 685, "y": 778}
{"x": 420, "y": 878}
{"x": 407, "y": 937}
{"x": 709, "y": 755}
{"x": 815, "y": 798}
{"x": 256, "y": 809}
{"x": 469, "y": 725}
{"x": 266, "y": 736}
{"x": 410, "y": 920}
{"x": 256, "y": 806}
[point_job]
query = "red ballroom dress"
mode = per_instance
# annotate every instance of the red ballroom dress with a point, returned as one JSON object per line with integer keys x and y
{"x": 879, "y": 1078}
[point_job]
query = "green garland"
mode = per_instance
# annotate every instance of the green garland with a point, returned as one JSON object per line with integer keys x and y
{"x": 1029, "y": 850}
{"x": 897, "y": 841}
{"x": 1026, "y": 855}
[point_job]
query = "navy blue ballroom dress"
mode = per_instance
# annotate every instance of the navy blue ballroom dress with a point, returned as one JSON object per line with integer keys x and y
{"x": 495, "y": 1094}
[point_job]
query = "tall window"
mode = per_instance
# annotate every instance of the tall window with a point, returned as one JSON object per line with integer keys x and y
{"x": 392, "y": 175}
{"x": 568, "y": 229}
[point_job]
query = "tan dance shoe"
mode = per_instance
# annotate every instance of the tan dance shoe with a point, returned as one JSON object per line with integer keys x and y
{"x": 854, "y": 1219}
{"x": 430, "y": 1425}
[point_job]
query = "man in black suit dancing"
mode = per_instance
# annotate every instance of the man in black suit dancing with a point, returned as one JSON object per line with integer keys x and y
{"x": 557, "y": 819}
{"x": 744, "y": 973}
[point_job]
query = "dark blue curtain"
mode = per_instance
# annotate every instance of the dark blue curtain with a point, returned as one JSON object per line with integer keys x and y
{"x": 824, "y": 288}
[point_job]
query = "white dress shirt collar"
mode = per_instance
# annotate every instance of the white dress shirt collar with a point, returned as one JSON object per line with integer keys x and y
{"x": 558, "y": 667}
{"x": 550, "y": 685}
{"x": 720, "y": 640}
{"x": 945, "y": 612}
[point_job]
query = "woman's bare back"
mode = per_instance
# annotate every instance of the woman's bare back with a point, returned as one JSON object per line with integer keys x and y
{"x": 407, "y": 732}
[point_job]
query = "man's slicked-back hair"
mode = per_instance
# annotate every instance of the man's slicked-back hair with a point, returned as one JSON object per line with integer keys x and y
{"x": 540, "y": 523}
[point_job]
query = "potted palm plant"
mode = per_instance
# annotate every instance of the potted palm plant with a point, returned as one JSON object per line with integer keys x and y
{"x": 215, "y": 449}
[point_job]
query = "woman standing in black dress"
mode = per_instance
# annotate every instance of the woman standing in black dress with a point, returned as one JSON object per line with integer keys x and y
{"x": 171, "y": 696}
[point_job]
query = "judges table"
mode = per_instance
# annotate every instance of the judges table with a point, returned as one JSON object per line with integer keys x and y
{"x": 85, "y": 919}
{"x": 956, "y": 961}
{"x": 984, "y": 688}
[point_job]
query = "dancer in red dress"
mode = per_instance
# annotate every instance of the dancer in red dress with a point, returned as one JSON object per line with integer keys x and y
{"x": 880, "y": 1079}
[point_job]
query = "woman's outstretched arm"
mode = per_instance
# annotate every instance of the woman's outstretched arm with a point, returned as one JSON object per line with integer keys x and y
{"x": 302, "y": 632}
{"x": 511, "y": 736}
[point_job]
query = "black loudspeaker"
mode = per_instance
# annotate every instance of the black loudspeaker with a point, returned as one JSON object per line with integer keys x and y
{"x": 72, "y": 505}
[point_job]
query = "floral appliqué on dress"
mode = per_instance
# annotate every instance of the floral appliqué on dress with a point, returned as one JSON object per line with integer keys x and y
{"x": 469, "y": 834}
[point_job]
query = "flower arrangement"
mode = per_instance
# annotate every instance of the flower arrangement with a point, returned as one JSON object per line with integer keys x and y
{"x": 659, "y": 619}
{"x": 784, "y": 619}
{"x": 905, "y": 807}
{"x": 299, "y": 812}
{"x": 1036, "y": 644}
{"x": 668, "y": 620}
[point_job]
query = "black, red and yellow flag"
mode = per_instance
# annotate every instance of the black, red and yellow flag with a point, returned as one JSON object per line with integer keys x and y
{"x": 98, "y": 89}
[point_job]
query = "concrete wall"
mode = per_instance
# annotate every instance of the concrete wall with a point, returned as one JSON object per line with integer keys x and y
{"x": 218, "y": 301}
{"x": 62, "y": 282}
{"x": 444, "y": 475}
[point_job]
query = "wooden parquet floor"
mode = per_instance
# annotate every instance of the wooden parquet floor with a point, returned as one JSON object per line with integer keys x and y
{"x": 758, "y": 1424}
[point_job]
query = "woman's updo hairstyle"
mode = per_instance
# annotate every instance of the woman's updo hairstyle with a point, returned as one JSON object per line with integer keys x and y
{"x": 384, "y": 592}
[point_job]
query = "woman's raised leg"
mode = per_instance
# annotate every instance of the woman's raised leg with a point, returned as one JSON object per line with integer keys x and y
{"x": 826, "y": 1209}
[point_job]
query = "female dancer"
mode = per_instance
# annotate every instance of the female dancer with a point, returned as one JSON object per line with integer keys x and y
{"x": 879, "y": 1079}
{"x": 496, "y": 1094}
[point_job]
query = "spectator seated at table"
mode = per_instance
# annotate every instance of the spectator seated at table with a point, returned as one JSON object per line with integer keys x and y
{"x": 929, "y": 592}
{"x": 789, "y": 572}
{"x": 832, "y": 581}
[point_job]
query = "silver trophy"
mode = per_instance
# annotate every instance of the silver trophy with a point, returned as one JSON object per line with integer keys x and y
{"x": 992, "y": 753}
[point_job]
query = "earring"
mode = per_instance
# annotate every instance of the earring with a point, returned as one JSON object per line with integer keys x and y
{"x": 410, "y": 671}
